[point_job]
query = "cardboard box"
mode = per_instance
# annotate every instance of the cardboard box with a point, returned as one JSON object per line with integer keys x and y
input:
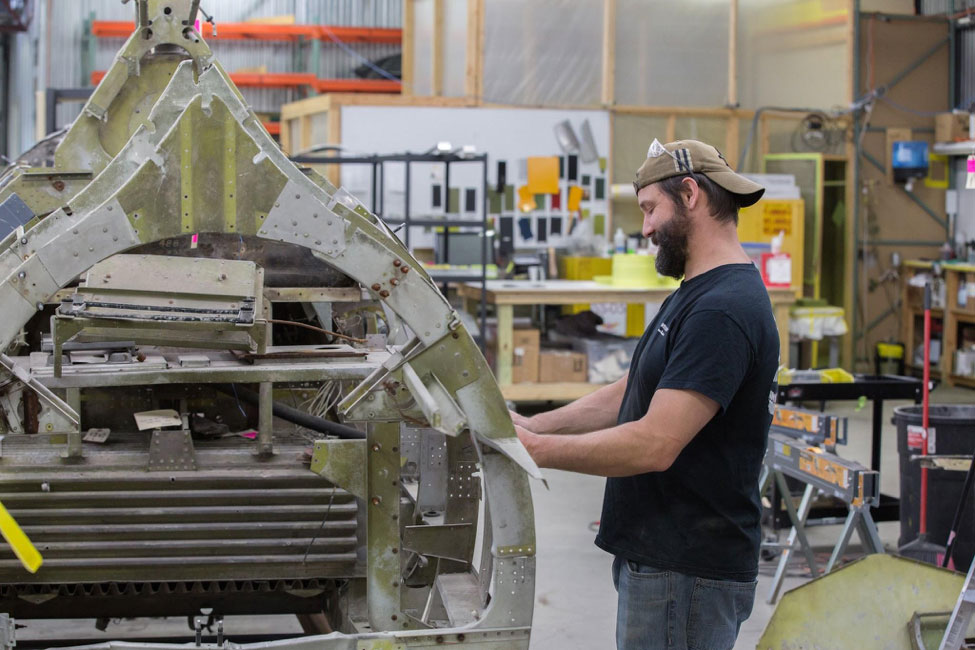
{"x": 950, "y": 127}
{"x": 524, "y": 362}
{"x": 562, "y": 366}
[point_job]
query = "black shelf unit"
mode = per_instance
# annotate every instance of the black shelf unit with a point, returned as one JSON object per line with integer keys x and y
{"x": 376, "y": 194}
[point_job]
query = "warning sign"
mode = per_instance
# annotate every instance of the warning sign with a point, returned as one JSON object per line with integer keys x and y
{"x": 776, "y": 218}
{"x": 915, "y": 438}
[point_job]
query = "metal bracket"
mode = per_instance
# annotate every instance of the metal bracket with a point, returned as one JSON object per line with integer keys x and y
{"x": 435, "y": 402}
{"x": 442, "y": 540}
{"x": 8, "y": 632}
{"x": 171, "y": 450}
{"x": 42, "y": 391}
{"x": 72, "y": 447}
{"x": 342, "y": 463}
{"x": 377, "y": 376}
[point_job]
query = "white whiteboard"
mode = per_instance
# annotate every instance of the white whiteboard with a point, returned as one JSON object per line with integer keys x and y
{"x": 510, "y": 134}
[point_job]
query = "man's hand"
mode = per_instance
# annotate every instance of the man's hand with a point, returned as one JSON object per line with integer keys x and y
{"x": 531, "y": 441}
{"x": 520, "y": 420}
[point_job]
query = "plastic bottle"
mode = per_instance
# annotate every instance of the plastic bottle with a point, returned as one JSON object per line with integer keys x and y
{"x": 619, "y": 241}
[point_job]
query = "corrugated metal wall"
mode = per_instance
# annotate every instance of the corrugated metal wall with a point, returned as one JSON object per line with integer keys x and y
{"x": 20, "y": 89}
{"x": 50, "y": 55}
{"x": 966, "y": 67}
{"x": 965, "y": 46}
{"x": 931, "y": 7}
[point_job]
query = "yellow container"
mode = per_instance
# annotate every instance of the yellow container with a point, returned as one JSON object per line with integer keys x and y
{"x": 582, "y": 268}
{"x": 634, "y": 271}
{"x": 622, "y": 270}
{"x": 890, "y": 350}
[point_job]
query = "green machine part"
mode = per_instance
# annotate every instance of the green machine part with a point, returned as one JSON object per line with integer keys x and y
{"x": 874, "y": 602}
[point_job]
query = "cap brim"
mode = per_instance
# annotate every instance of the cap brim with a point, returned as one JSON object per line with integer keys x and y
{"x": 748, "y": 191}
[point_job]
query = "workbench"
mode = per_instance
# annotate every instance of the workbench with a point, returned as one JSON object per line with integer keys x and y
{"x": 505, "y": 294}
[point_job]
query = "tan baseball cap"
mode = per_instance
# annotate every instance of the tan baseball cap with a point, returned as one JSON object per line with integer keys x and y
{"x": 685, "y": 156}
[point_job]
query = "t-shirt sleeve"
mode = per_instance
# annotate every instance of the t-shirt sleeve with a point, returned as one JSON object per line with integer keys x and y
{"x": 710, "y": 355}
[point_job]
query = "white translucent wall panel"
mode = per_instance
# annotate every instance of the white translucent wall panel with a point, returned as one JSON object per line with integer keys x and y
{"x": 543, "y": 52}
{"x": 455, "y": 48}
{"x": 792, "y": 54}
{"x": 422, "y": 47}
{"x": 672, "y": 53}
{"x": 294, "y": 133}
{"x": 632, "y": 135}
{"x": 965, "y": 225}
{"x": 319, "y": 130}
{"x": 753, "y": 161}
{"x": 712, "y": 130}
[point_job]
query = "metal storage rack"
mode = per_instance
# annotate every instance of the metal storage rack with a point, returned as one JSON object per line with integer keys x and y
{"x": 376, "y": 205}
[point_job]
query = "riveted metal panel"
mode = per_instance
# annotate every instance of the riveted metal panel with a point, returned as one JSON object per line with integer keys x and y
{"x": 304, "y": 222}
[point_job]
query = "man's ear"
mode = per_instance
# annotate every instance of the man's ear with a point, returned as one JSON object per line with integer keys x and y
{"x": 687, "y": 191}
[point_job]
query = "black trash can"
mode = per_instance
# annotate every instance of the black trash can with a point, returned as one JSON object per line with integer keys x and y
{"x": 954, "y": 433}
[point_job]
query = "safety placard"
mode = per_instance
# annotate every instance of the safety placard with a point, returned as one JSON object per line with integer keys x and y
{"x": 915, "y": 438}
{"x": 776, "y": 218}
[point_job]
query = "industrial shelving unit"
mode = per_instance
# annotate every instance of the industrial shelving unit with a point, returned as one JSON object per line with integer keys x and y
{"x": 301, "y": 35}
{"x": 953, "y": 316}
{"x": 376, "y": 205}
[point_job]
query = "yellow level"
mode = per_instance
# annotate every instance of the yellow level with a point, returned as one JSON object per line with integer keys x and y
{"x": 19, "y": 542}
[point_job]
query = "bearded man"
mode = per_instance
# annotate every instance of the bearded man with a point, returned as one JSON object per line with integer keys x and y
{"x": 682, "y": 437}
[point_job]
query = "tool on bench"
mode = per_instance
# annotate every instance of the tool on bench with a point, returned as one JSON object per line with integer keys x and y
{"x": 801, "y": 446}
{"x": 813, "y": 427}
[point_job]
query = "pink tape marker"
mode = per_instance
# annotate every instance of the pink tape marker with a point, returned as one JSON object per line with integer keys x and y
{"x": 971, "y": 164}
{"x": 195, "y": 240}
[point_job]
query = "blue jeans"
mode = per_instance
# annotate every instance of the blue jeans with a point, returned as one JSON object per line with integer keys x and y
{"x": 666, "y": 610}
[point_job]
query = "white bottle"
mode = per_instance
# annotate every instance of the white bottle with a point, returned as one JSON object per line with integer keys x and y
{"x": 619, "y": 241}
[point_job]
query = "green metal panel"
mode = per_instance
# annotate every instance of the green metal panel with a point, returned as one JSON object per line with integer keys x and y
{"x": 865, "y": 604}
{"x": 812, "y": 215}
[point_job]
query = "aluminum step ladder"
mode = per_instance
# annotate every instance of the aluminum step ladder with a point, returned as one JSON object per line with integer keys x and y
{"x": 961, "y": 615}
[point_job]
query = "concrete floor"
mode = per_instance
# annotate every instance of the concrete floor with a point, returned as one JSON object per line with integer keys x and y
{"x": 575, "y": 603}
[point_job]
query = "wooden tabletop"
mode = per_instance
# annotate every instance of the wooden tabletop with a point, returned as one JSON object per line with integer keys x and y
{"x": 567, "y": 292}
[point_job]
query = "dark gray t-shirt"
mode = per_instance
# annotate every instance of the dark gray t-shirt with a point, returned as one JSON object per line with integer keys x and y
{"x": 701, "y": 517}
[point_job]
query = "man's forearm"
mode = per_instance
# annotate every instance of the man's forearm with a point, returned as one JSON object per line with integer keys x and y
{"x": 650, "y": 444}
{"x": 622, "y": 450}
{"x": 597, "y": 410}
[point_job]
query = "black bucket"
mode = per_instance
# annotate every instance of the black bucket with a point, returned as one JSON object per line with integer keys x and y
{"x": 954, "y": 434}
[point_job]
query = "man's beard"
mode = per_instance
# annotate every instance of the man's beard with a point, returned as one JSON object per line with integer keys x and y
{"x": 671, "y": 241}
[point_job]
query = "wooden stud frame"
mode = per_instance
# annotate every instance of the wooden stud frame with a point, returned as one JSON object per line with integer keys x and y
{"x": 409, "y": 29}
{"x": 609, "y": 52}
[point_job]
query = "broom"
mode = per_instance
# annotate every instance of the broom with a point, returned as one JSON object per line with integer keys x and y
{"x": 921, "y": 548}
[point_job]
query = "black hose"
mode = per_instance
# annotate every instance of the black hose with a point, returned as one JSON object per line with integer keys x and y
{"x": 959, "y": 511}
{"x": 295, "y": 416}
